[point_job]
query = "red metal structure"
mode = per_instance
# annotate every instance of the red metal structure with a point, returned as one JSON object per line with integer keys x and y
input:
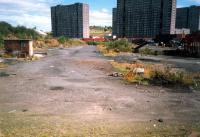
{"x": 192, "y": 44}
{"x": 94, "y": 39}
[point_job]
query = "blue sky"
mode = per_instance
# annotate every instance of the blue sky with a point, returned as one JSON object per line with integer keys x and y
{"x": 36, "y": 13}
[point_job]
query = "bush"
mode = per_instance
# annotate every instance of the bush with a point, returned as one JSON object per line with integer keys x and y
{"x": 5, "y": 28}
{"x": 25, "y": 33}
{"x": 75, "y": 42}
{"x": 147, "y": 51}
{"x": 63, "y": 39}
{"x": 120, "y": 45}
{"x": 92, "y": 43}
{"x": 21, "y": 32}
{"x": 157, "y": 74}
{"x": 1, "y": 42}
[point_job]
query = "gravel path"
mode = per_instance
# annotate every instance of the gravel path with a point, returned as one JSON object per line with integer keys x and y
{"x": 72, "y": 84}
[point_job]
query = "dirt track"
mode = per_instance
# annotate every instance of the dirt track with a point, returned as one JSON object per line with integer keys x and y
{"x": 68, "y": 93}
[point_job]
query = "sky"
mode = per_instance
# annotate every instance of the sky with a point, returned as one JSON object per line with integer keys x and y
{"x": 36, "y": 13}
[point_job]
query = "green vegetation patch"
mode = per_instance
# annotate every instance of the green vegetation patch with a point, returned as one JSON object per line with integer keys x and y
{"x": 1, "y": 42}
{"x": 63, "y": 39}
{"x": 21, "y": 32}
{"x": 121, "y": 45}
{"x": 4, "y": 74}
{"x": 157, "y": 74}
{"x": 93, "y": 43}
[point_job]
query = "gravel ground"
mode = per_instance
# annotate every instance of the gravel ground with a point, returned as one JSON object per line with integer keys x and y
{"x": 69, "y": 93}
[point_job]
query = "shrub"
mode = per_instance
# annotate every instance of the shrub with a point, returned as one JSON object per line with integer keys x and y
{"x": 25, "y": 33}
{"x": 1, "y": 42}
{"x": 157, "y": 74}
{"x": 146, "y": 51}
{"x": 92, "y": 43}
{"x": 120, "y": 45}
{"x": 63, "y": 39}
{"x": 75, "y": 42}
{"x": 21, "y": 32}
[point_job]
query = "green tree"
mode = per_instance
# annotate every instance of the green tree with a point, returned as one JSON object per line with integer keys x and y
{"x": 19, "y": 32}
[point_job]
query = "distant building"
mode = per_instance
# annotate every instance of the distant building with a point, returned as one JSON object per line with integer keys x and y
{"x": 70, "y": 20}
{"x": 188, "y": 17}
{"x": 182, "y": 31}
{"x": 182, "y": 18}
{"x": 145, "y": 18}
{"x": 114, "y": 21}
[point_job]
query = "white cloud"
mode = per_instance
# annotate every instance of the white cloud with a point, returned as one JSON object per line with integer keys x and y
{"x": 30, "y": 21}
{"x": 197, "y": 1}
{"x": 36, "y": 13}
{"x": 29, "y": 13}
{"x": 100, "y": 17}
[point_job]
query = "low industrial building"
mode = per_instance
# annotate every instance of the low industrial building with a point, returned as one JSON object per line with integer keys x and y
{"x": 19, "y": 47}
{"x": 183, "y": 31}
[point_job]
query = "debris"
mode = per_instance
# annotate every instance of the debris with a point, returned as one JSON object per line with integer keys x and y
{"x": 191, "y": 88}
{"x": 71, "y": 72}
{"x": 57, "y": 88}
{"x": 24, "y": 110}
{"x": 13, "y": 111}
{"x": 160, "y": 120}
{"x": 116, "y": 74}
{"x": 38, "y": 55}
{"x": 138, "y": 70}
{"x": 52, "y": 66}
{"x": 61, "y": 46}
{"x": 4, "y": 74}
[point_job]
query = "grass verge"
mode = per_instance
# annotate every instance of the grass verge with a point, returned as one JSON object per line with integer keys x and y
{"x": 121, "y": 45}
{"x": 148, "y": 51}
{"x": 157, "y": 74}
{"x": 57, "y": 42}
{"x": 107, "y": 52}
{"x": 113, "y": 48}
{"x": 22, "y": 125}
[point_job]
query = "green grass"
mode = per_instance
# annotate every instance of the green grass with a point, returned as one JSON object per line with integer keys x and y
{"x": 93, "y": 43}
{"x": 1, "y": 42}
{"x": 63, "y": 39}
{"x": 1, "y": 46}
{"x": 21, "y": 32}
{"x": 121, "y": 45}
{"x": 35, "y": 125}
{"x": 147, "y": 51}
{"x": 158, "y": 74}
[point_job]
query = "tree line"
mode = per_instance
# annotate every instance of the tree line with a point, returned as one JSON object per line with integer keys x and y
{"x": 20, "y": 32}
